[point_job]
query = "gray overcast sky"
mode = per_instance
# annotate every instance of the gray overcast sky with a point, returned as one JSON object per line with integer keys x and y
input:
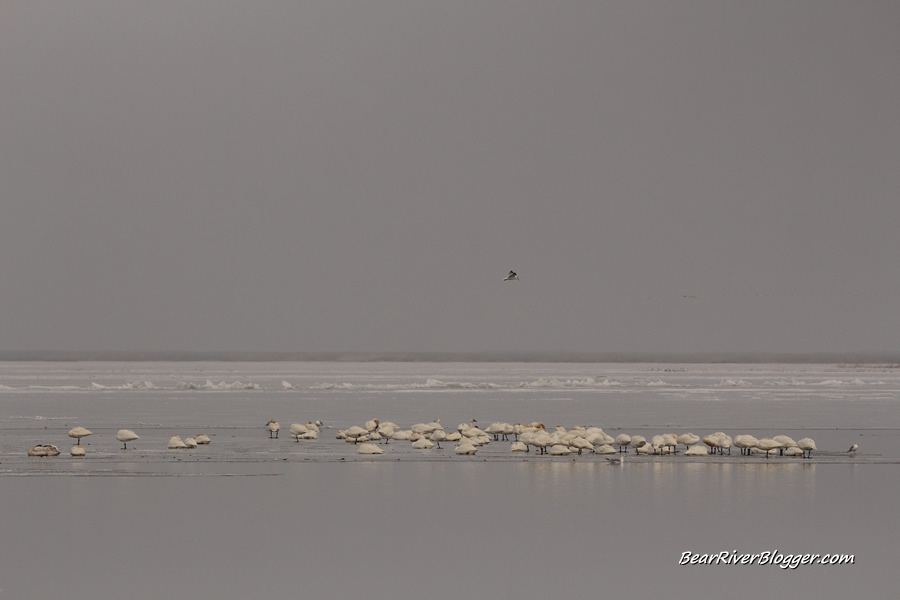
{"x": 360, "y": 176}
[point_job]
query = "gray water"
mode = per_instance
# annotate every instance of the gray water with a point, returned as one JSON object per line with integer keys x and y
{"x": 248, "y": 516}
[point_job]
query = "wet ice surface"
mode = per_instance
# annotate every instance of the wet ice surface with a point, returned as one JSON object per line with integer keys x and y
{"x": 252, "y": 447}
{"x": 231, "y": 402}
{"x": 247, "y": 515}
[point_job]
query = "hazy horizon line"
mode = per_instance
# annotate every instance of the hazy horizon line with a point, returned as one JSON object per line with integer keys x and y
{"x": 486, "y": 356}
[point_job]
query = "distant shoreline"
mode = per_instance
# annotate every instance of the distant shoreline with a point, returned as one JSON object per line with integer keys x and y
{"x": 547, "y": 357}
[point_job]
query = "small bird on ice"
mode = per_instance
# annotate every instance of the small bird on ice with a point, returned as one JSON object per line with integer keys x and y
{"x": 853, "y": 448}
{"x": 512, "y": 276}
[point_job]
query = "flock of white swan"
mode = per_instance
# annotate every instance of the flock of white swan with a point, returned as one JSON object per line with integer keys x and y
{"x": 468, "y": 437}
{"x": 374, "y": 435}
{"x": 123, "y": 435}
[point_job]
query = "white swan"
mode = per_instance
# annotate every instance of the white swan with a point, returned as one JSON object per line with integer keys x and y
{"x": 480, "y": 440}
{"x": 785, "y": 442}
{"x": 495, "y": 429}
{"x": 658, "y": 441}
{"x": 725, "y": 442}
{"x": 518, "y": 447}
{"x": 474, "y": 432}
{"x": 518, "y": 429}
{"x": 355, "y": 433}
{"x": 202, "y": 438}
{"x": 670, "y": 440}
{"x": 427, "y": 428}
{"x": 190, "y": 442}
{"x": 77, "y": 451}
{"x": 527, "y": 438}
{"x": 386, "y": 431}
{"x": 697, "y": 450}
{"x": 745, "y": 442}
{"x": 541, "y": 440}
{"x": 622, "y": 441}
{"x": 78, "y": 432}
{"x": 176, "y": 443}
{"x": 807, "y": 445}
{"x": 688, "y": 439}
{"x": 466, "y": 448}
{"x": 438, "y": 436}
{"x": 125, "y": 436}
{"x": 712, "y": 440}
{"x": 597, "y": 438}
{"x": 369, "y": 449}
{"x": 463, "y": 426}
{"x": 297, "y": 430}
{"x": 581, "y": 444}
{"x": 387, "y": 426}
{"x": 423, "y": 444}
{"x": 44, "y": 450}
{"x": 273, "y": 427}
{"x": 767, "y": 445}
{"x": 559, "y": 450}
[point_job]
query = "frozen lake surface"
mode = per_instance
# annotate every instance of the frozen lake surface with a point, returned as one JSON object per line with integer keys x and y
{"x": 247, "y": 515}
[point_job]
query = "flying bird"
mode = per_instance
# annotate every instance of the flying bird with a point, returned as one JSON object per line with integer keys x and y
{"x": 512, "y": 276}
